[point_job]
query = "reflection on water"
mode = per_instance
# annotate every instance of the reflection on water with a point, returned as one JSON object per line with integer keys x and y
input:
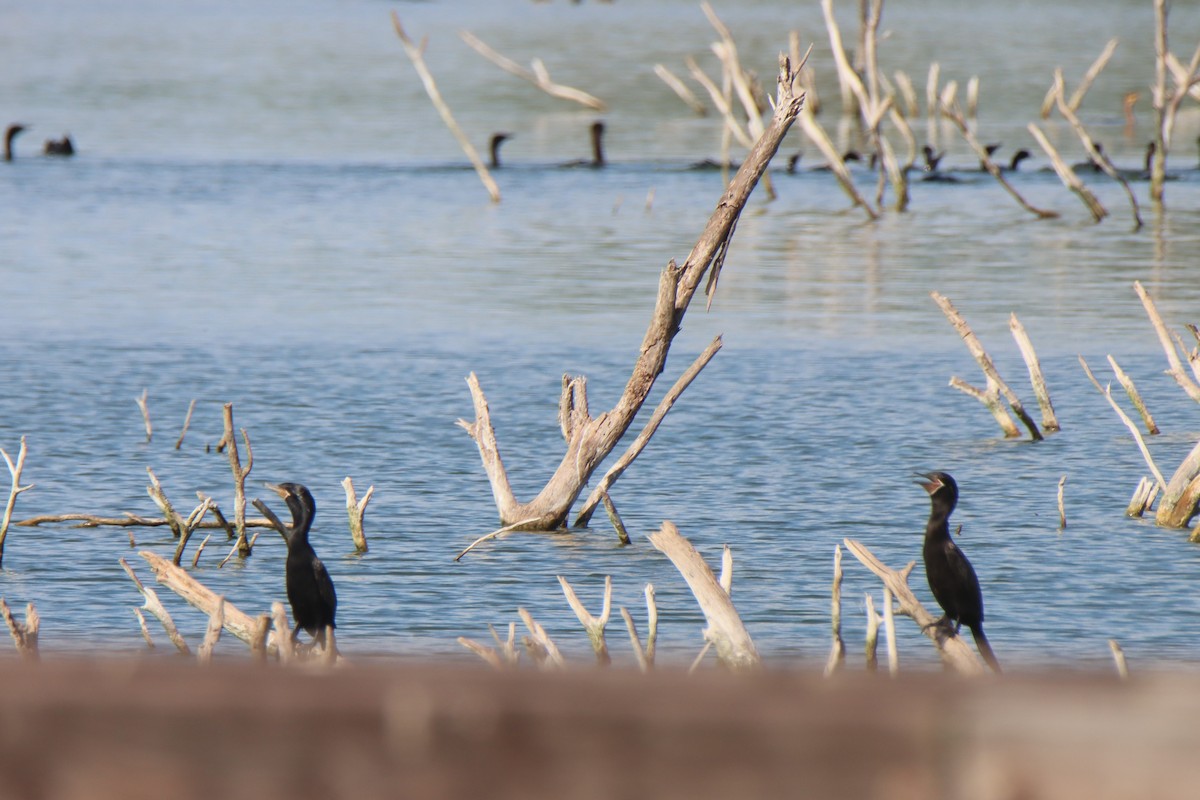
{"x": 265, "y": 211}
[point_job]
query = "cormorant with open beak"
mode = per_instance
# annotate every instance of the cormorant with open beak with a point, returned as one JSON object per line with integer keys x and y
{"x": 309, "y": 587}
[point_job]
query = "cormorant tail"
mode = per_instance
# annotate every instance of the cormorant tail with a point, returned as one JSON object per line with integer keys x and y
{"x": 985, "y": 649}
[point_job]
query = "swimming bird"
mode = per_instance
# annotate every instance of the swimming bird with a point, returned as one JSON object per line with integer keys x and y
{"x": 951, "y": 577}
{"x": 9, "y": 135}
{"x": 1017, "y": 158}
{"x": 931, "y": 158}
{"x": 847, "y": 157}
{"x": 309, "y": 587}
{"x": 497, "y": 140}
{"x": 990, "y": 149}
{"x": 597, "y": 159}
{"x": 1091, "y": 164}
{"x": 59, "y": 147}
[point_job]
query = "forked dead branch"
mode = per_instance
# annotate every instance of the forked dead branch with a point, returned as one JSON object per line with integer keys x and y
{"x": 589, "y": 440}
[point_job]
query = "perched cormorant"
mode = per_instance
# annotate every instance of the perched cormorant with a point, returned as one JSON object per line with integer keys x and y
{"x": 497, "y": 140}
{"x": 59, "y": 147}
{"x": 951, "y": 577}
{"x": 9, "y": 135}
{"x": 309, "y": 587}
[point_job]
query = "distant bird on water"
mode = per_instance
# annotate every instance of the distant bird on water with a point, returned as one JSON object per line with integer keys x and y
{"x": 597, "y": 159}
{"x": 951, "y": 577}
{"x": 59, "y": 147}
{"x": 497, "y": 140}
{"x": 309, "y": 587}
{"x": 9, "y": 134}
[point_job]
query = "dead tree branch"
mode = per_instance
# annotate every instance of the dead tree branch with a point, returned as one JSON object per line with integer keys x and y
{"x": 539, "y": 76}
{"x": 239, "y": 478}
{"x": 142, "y": 404}
{"x": 593, "y": 625}
{"x": 955, "y": 653}
{"x": 187, "y": 421}
{"x": 725, "y": 630}
{"x": 25, "y": 635}
{"x": 591, "y": 439}
{"x": 15, "y": 489}
{"x": 1170, "y": 342}
{"x": 356, "y": 509}
{"x": 1036, "y": 379}
{"x": 837, "y": 655}
{"x": 1068, "y": 176}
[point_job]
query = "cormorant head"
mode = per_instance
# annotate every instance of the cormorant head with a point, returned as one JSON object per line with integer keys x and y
{"x": 300, "y": 502}
{"x": 940, "y": 486}
{"x": 1018, "y": 157}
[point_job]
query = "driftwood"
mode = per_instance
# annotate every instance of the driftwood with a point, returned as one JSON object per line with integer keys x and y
{"x": 1119, "y": 659}
{"x": 591, "y": 439}
{"x": 837, "y": 653}
{"x": 25, "y": 635}
{"x": 680, "y": 89}
{"x": 1143, "y": 498}
{"x": 644, "y": 655}
{"x": 415, "y": 55}
{"x": 128, "y": 520}
{"x": 1062, "y": 511}
{"x": 871, "y": 643}
{"x": 145, "y": 409}
{"x": 593, "y": 625}
{"x": 1172, "y": 345}
{"x": 15, "y": 489}
{"x": 239, "y": 478}
{"x": 187, "y": 421}
{"x": 995, "y": 384}
{"x": 539, "y": 76}
{"x": 1167, "y": 108}
{"x": 156, "y": 493}
{"x": 539, "y": 645}
{"x": 725, "y": 631}
{"x": 212, "y": 634}
{"x": 1085, "y": 82}
{"x": 956, "y": 653}
{"x": 1135, "y": 396}
{"x": 1036, "y": 379}
{"x": 356, "y": 509}
{"x": 1137, "y": 436}
{"x": 158, "y": 610}
{"x": 1068, "y": 176}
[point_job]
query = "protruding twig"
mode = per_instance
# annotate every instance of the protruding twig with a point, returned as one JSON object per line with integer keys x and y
{"x": 889, "y": 629}
{"x": 212, "y": 634}
{"x": 593, "y": 625}
{"x": 25, "y": 635}
{"x": 156, "y": 493}
{"x": 1137, "y": 436}
{"x": 539, "y": 645}
{"x": 281, "y": 634}
{"x": 239, "y": 478}
{"x": 644, "y": 655}
{"x": 1085, "y": 82}
{"x": 1036, "y": 379}
{"x": 141, "y": 618}
{"x": 725, "y": 630}
{"x": 872, "y": 639}
{"x": 538, "y": 76}
{"x": 615, "y": 518}
{"x": 1062, "y": 512}
{"x": 1143, "y": 497}
{"x": 494, "y": 534}
{"x": 680, "y": 88}
{"x": 415, "y": 54}
{"x": 837, "y": 655}
{"x": 158, "y": 610}
{"x": 1119, "y": 659}
{"x": 1135, "y": 397}
{"x": 141, "y": 401}
{"x": 187, "y": 421}
{"x": 985, "y": 362}
{"x": 1171, "y": 346}
{"x": 258, "y": 643}
{"x": 15, "y": 489}
{"x": 1068, "y": 176}
{"x": 356, "y": 509}
{"x": 188, "y": 526}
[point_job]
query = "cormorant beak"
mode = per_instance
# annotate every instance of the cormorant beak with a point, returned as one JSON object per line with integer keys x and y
{"x": 279, "y": 490}
{"x": 931, "y": 484}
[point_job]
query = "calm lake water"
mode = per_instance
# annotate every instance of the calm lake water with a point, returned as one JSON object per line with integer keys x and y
{"x": 265, "y": 210}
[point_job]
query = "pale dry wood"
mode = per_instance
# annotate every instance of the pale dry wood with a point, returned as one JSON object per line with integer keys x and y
{"x": 1137, "y": 436}
{"x": 415, "y": 54}
{"x": 985, "y": 362}
{"x": 644, "y": 655}
{"x": 1169, "y": 344}
{"x": 200, "y": 550}
{"x": 1181, "y": 494}
{"x": 648, "y": 430}
{"x": 1068, "y": 176}
{"x": 973, "y": 98}
{"x": 837, "y": 653}
{"x": 156, "y": 493}
{"x": 212, "y": 634}
{"x": 1143, "y": 497}
{"x": 281, "y": 634}
{"x": 991, "y": 399}
{"x": 508, "y": 646}
{"x": 1094, "y": 153}
{"x": 158, "y": 610}
{"x": 199, "y": 596}
{"x": 592, "y": 624}
{"x": 1036, "y": 379}
{"x": 239, "y": 477}
{"x": 1085, "y": 83}
{"x": 141, "y": 618}
{"x": 610, "y": 509}
{"x": 489, "y": 655}
{"x": 733, "y": 125}
{"x": 25, "y": 635}
{"x": 189, "y": 525}
{"x": 1062, "y": 512}
{"x": 538, "y": 76}
{"x": 725, "y": 579}
{"x": 187, "y": 421}
{"x": 817, "y": 135}
{"x": 356, "y": 509}
{"x": 1119, "y": 659}
{"x": 499, "y": 532}
{"x": 871, "y": 645}
{"x": 725, "y": 631}
{"x": 539, "y": 644}
{"x": 142, "y": 404}
{"x": 955, "y": 115}
{"x": 681, "y": 90}
{"x": 907, "y": 92}
{"x": 258, "y": 643}
{"x": 15, "y": 488}
{"x": 1135, "y": 396}
{"x": 592, "y": 441}
{"x": 955, "y": 652}
{"x": 889, "y": 628}
{"x": 1167, "y": 108}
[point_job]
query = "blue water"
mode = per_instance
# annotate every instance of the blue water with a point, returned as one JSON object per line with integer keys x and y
{"x": 265, "y": 211}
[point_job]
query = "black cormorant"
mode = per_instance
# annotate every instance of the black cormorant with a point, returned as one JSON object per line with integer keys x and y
{"x": 951, "y": 577}
{"x": 309, "y": 587}
{"x": 1017, "y": 158}
{"x": 597, "y": 159}
{"x": 59, "y": 147}
{"x": 9, "y": 135}
{"x": 497, "y": 140}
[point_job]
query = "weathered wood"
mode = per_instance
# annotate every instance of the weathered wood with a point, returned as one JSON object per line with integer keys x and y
{"x": 725, "y": 631}
{"x": 1062, "y": 511}
{"x": 25, "y": 635}
{"x": 239, "y": 477}
{"x": 1036, "y": 379}
{"x": 592, "y": 441}
{"x": 1068, "y": 176}
{"x": 187, "y": 421}
{"x": 15, "y": 489}
{"x": 1137, "y": 436}
{"x": 539, "y": 76}
{"x": 212, "y": 634}
{"x": 356, "y": 509}
{"x": 681, "y": 90}
{"x": 593, "y": 625}
{"x": 955, "y": 653}
{"x": 837, "y": 653}
{"x": 871, "y": 642}
{"x": 1181, "y": 494}
{"x": 1135, "y": 396}
{"x": 539, "y": 645}
{"x": 1171, "y": 345}
{"x": 158, "y": 610}
{"x": 145, "y": 409}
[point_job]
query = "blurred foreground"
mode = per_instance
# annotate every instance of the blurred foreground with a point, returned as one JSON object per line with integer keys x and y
{"x": 140, "y": 728}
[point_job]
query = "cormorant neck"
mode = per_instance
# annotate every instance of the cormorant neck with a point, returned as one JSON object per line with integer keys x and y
{"x": 301, "y": 521}
{"x": 938, "y": 526}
